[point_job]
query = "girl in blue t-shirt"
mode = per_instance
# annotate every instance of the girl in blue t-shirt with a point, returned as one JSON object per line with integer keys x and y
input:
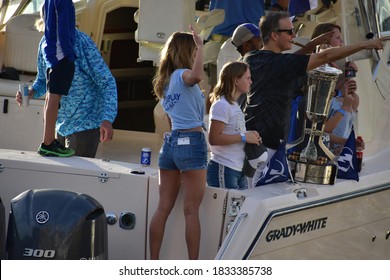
{"x": 183, "y": 156}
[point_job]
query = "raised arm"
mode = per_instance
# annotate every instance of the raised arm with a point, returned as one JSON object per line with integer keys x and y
{"x": 194, "y": 76}
{"x": 334, "y": 54}
{"x": 313, "y": 43}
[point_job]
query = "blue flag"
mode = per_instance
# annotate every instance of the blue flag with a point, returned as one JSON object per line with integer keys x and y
{"x": 296, "y": 7}
{"x": 347, "y": 162}
{"x": 295, "y": 122}
{"x": 276, "y": 169}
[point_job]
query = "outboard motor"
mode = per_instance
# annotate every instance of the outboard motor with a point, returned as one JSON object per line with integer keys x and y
{"x": 2, "y": 230}
{"x": 56, "y": 224}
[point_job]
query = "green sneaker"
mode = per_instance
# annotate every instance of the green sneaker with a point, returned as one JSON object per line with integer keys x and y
{"x": 55, "y": 149}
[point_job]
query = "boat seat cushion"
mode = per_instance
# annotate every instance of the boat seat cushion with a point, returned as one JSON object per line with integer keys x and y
{"x": 21, "y": 43}
{"x": 20, "y": 51}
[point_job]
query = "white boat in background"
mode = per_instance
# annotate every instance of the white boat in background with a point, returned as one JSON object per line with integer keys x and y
{"x": 347, "y": 220}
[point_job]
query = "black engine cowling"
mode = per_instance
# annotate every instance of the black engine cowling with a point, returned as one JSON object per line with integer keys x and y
{"x": 56, "y": 224}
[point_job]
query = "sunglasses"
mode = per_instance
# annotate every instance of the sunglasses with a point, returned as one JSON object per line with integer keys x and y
{"x": 288, "y": 31}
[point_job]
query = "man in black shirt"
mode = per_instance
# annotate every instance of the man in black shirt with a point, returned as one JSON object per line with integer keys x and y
{"x": 272, "y": 73}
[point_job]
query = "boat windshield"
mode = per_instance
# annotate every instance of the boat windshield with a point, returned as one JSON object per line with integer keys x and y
{"x": 383, "y": 12}
{"x": 10, "y": 8}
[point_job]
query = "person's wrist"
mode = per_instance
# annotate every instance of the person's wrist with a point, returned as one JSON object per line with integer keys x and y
{"x": 243, "y": 137}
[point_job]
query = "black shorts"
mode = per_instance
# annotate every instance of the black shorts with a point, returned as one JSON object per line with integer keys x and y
{"x": 59, "y": 77}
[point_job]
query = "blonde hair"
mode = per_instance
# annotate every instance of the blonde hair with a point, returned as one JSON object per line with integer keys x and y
{"x": 226, "y": 85}
{"x": 178, "y": 53}
{"x": 40, "y": 23}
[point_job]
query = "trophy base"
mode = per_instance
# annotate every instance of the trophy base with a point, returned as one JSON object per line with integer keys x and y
{"x": 324, "y": 174}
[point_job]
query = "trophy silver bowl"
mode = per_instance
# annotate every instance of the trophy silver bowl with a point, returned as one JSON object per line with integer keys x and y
{"x": 309, "y": 167}
{"x": 321, "y": 85}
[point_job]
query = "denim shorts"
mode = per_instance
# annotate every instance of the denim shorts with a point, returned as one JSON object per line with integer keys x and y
{"x": 183, "y": 151}
{"x": 221, "y": 176}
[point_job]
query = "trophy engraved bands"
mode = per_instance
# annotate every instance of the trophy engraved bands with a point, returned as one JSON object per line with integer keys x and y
{"x": 307, "y": 166}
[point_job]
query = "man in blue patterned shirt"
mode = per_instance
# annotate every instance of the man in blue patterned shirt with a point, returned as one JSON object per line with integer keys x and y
{"x": 87, "y": 112}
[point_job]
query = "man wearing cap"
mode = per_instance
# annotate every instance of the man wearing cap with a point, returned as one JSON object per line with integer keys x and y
{"x": 273, "y": 72}
{"x": 236, "y": 12}
{"x": 246, "y": 38}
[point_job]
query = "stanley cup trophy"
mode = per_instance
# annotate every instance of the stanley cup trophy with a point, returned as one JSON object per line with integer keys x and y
{"x": 307, "y": 166}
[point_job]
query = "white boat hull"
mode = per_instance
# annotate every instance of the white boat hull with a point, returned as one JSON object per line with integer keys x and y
{"x": 349, "y": 220}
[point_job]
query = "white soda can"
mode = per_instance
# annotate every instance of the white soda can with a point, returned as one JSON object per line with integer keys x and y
{"x": 23, "y": 88}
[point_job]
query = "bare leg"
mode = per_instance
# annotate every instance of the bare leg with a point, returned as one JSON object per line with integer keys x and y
{"x": 194, "y": 184}
{"x": 169, "y": 189}
{"x": 50, "y": 116}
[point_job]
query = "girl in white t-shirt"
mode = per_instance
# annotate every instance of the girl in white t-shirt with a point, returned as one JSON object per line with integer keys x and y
{"x": 227, "y": 132}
